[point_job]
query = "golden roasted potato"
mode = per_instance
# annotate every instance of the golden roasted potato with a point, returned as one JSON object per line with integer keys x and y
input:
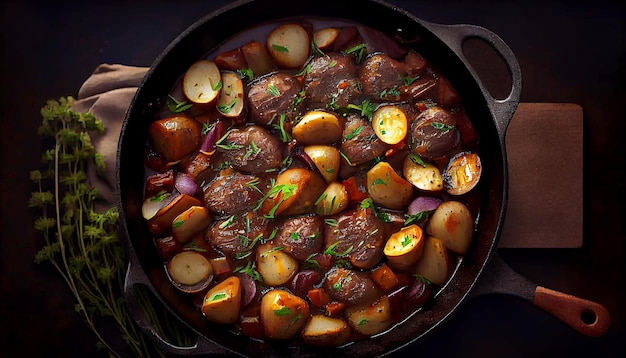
{"x": 222, "y": 303}
{"x": 452, "y": 223}
{"x": 387, "y": 188}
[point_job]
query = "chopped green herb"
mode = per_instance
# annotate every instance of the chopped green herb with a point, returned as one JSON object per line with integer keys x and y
{"x": 177, "y": 106}
{"x": 280, "y": 48}
{"x": 273, "y": 249}
{"x": 355, "y": 132}
{"x": 246, "y": 73}
{"x": 254, "y": 184}
{"x": 331, "y": 250}
{"x": 160, "y": 196}
{"x": 217, "y": 86}
{"x": 331, "y": 222}
{"x": 273, "y": 91}
{"x": 216, "y": 296}
{"x": 283, "y": 311}
{"x": 441, "y": 126}
{"x": 321, "y": 197}
{"x": 177, "y": 223}
{"x": 362, "y": 322}
{"x": 417, "y": 159}
{"x": 252, "y": 151}
{"x": 250, "y": 270}
{"x": 358, "y": 51}
{"x": 409, "y": 80}
{"x": 406, "y": 240}
{"x": 227, "y": 107}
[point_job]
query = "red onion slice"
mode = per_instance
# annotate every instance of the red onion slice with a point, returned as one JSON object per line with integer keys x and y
{"x": 208, "y": 145}
{"x": 423, "y": 203}
{"x": 186, "y": 184}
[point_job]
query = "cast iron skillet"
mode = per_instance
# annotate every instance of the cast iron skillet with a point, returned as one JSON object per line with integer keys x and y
{"x": 481, "y": 270}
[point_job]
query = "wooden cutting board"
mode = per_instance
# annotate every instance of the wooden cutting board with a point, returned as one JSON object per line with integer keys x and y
{"x": 545, "y": 156}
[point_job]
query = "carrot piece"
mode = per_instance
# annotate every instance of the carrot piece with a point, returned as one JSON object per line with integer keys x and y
{"x": 354, "y": 194}
{"x": 384, "y": 278}
{"x": 318, "y": 297}
{"x": 334, "y": 309}
{"x": 220, "y": 265}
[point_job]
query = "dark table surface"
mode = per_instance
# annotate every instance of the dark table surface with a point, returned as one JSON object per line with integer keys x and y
{"x": 568, "y": 51}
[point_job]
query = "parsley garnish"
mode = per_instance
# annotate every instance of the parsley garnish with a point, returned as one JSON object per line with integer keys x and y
{"x": 280, "y": 48}
{"x": 283, "y": 311}
{"x": 353, "y": 133}
{"x": 216, "y": 296}
{"x": 250, "y": 270}
{"x": 358, "y": 51}
{"x": 177, "y": 106}
{"x": 441, "y": 126}
{"x": 227, "y": 107}
{"x": 273, "y": 91}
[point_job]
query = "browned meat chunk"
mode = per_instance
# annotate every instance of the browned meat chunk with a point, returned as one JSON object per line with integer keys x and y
{"x": 232, "y": 194}
{"x": 359, "y": 142}
{"x": 273, "y": 95}
{"x": 301, "y": 236}
{"x": 252, "y": 149}
{"x": 350, "y": 287}
{"x": 434, "y": 134}
{"x": 331, "y": 81}
{"x": 358, "y": 235}
{"x": 238, "y": 234}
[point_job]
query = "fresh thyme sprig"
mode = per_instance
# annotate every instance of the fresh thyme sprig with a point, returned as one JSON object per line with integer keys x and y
{"x": 80, "y": 243}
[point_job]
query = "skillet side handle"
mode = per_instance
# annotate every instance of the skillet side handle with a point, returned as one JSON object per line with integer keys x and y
{"x": 135, "y": 276}
{"x": 587, "y": 317}
{"x": 455, "y": 35}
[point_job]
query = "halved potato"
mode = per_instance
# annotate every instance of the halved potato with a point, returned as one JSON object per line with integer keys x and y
{"x": 426, "y": 177}
{"x": 153, "y": 204}
{"x": 324, "y": 38}
{"x": 289, "y": 45}
{"x": 333, "y": 200}
{"x": 190, "y": 222}
{"x": 435, "y": 264}
{"x": 390, "y": 124}
{"x": 318, "y": 127}
{"x": 275, "y": 265}
{"x": 190, "y": 271}
{"x": 257, "y": 58}
{"x": 462, "y": 173}
{"x": 326, "y": 159}
{"x": 161, "y": 222}
{"x": 176, "y": 136}
{"x": 405, "y": 247}
{"x": 452, "y": 223}
{"x": 387, "y": 188}
{"x": 324, "y": 331}
{"x": 294, "y": 192}
{"x": 283, "y": 314}
{"x": 231, "y": 102}
{"x": 370, "y": 318}
{"x": 202, "y": 82}
{"x": 222, "y": 303}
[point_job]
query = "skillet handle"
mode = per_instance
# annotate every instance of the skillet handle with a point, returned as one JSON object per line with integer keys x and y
{"x": 587, "y": 317}
{"x": 135, "y": 276}
{"x": 454, "y": 36}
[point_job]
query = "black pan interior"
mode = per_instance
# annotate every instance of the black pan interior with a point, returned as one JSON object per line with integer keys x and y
{"x": 208, "y": 33}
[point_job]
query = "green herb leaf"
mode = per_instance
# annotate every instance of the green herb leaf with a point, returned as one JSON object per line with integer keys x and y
{"x": 283, "y": 311}
{"x": 280, "y": 48}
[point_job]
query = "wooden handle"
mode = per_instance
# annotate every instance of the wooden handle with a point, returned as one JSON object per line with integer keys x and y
{"x": 587, "y": 317}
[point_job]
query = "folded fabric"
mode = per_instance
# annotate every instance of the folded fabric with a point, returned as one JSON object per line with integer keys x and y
{"x": 107, "y": 94}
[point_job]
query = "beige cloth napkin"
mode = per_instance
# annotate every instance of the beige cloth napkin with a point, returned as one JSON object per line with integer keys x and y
{"x": 540, "y": 214}
{"x": 107, "y": 94}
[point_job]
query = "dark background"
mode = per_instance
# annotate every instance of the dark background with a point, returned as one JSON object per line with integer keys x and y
{"x": 569, "y": 51}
